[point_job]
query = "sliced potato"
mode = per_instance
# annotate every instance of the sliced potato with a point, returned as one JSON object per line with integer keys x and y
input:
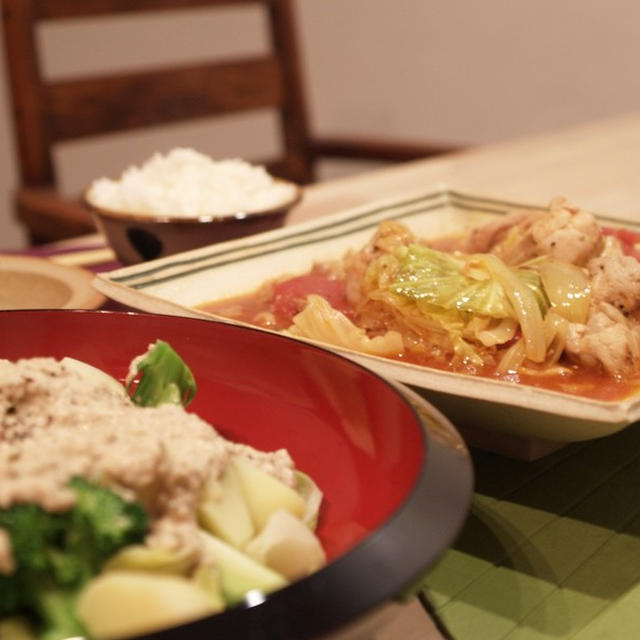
{"x": 287, "y": 546}
{"x": 138, "y": 557}
{"x": 118, "y": 604}
{"x": 223, "y": 510}
{"x": 207, "y": 578}
{"x": 238, "y": 572}
{"x": 16, "y": 628}
{"x": 265, "y": 494}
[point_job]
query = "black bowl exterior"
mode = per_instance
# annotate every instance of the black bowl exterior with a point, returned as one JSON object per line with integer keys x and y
{"x": 139, "y": 241}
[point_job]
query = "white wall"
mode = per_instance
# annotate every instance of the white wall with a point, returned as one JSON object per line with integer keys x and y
{"x": 456, "y": 71}
{"x": 467, "y": 70}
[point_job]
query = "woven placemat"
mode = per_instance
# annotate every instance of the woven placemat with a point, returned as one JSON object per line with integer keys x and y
{"x": 551, "y": 549}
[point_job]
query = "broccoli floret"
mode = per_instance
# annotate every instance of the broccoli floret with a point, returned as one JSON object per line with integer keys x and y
{"x": 166, "y": 379}
{"x": 55, "y": 554}
{"x": 101, "y": 523}
{"x": 11, "y": 600}
{"x": 56, "y": 618}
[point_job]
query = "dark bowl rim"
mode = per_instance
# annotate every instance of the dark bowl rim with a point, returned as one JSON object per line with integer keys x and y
{"x": 399, "y": 552}
{"x": 129, "y": 216}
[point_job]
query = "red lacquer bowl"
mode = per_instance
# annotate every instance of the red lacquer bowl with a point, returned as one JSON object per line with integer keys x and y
{"x": 394, "y": 497}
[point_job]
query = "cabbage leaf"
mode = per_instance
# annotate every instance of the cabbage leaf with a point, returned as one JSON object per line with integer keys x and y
{"x": 457, "y": 282}
{"x": 320, "y": 321}
{"x": 475, "y": 285}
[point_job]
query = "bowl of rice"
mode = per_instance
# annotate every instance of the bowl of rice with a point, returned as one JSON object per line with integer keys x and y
{"x": 185, "y": 200}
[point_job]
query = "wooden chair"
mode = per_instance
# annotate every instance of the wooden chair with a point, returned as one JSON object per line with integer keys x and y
{"x": 48, "y": 113}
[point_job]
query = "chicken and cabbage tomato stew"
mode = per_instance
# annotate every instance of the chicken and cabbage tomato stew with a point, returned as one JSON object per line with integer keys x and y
{"x": 549, "y": 298}
{"x": 122, "y": 513}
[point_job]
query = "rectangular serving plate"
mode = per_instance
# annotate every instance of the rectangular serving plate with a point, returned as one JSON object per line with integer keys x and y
{"x": 180, "y": 283}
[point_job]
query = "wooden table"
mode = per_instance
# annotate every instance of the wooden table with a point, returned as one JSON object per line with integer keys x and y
{"x": 552, "y": 547}
{"x": 596, "y": 166}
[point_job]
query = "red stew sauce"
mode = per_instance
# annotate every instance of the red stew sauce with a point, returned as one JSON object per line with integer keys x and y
{"x": 274, "y": 306}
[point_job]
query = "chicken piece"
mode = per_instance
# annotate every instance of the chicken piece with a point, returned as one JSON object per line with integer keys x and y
{"x": 388, "y": 236}
{"x": 563, "y": 232}
{"x": 608, "y": 339}
{"x": 508, "y": 237}
{"x": 567, "y": 234}
{"x": 615, "y": 279}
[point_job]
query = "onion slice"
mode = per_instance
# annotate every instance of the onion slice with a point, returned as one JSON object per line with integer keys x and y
{"x": 568, "y": 288}
{"x": 525, "y": 306}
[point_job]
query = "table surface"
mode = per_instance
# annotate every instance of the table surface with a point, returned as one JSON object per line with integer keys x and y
{"x": 551, "y": 548}
{"x": 594, "y": 165}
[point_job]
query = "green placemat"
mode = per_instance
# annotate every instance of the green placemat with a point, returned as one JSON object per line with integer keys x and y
{"x": 551, "y": 549}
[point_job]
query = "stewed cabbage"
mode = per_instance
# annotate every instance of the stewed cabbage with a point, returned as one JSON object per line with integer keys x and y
{"x": 535, "y": 292}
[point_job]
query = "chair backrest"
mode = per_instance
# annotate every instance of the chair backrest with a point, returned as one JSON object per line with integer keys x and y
{"x": 50, "y": 112}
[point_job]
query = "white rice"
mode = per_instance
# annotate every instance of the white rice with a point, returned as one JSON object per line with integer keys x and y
{"x": 187, "y": 183}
